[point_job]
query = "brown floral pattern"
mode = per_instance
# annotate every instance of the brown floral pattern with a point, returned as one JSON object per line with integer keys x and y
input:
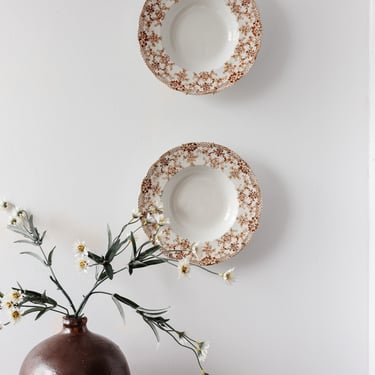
{"x": 236, "y": 169}
{"x": 199, "y": 83}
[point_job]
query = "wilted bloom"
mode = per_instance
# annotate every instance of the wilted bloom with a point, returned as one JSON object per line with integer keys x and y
{"x": 81, "y": 249}
{"x": 228, "y": 276}
{"x": 184, "y": 268}
{"x": 82, "y": 264}
{"x": 202, "y": 350}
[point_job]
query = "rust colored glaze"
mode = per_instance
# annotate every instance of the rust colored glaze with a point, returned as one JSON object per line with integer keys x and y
{"x": 75, "y": 351}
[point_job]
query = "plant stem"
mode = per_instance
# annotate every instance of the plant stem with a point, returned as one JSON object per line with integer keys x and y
{"x": 60, "y": 287}
{"x": 86, "y": 298}
{"x": 92, "y": 291}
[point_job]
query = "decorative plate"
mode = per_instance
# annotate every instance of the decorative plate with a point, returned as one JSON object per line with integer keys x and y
{"x": 199, "y": 46}
{"x": 211, "y": 198}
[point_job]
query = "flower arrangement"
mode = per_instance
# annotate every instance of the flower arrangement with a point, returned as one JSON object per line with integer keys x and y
{"x": 19, "y": 301}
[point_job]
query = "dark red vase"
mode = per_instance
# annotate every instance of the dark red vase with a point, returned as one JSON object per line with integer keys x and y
{"x": 75, "y": 351}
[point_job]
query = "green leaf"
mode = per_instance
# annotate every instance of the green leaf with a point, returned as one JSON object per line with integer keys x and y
{"x": 152, "y": 314}
{"x": 37, "y": 298}
{"x": 25, "y": 241}
{"x": 108, "y": 270}
{"x": 36, "y": 256}
{"x": 102, "y": 275}
{"x": 141, "y": 264}
{"x": 134, "y": 245}
{"x": 111, "y": 253}
{"x": 50, "y": 256}
{"x": 1, "y": 295}
{"x": 114, "y": 249}
{"x": 126, "y": 301}
{"x": 31, "y": 223}
{"x": 148, "y": 252}
{"x": 156, "y": 333}
{"x": 119, "y": 307}
{"x": 32, "y": 310}
{"x": 41, "y": 313}
{"x": 109, "y": 236}
{"x": 96, "y": 258}
{"x": 20, "y": 231}
{"x": 43, "y": 235}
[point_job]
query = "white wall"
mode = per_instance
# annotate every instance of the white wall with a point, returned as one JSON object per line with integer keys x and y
{"x": 82, "y": 119}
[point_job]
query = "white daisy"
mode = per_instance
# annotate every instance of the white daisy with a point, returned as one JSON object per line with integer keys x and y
{"x": 5, "y": 205}
{"x": 149, "y": 219}
{"x": 184, "y": 268}
{"x": 158, "y": 207}
{"x": 82, "y": 264}
{"x": 20, "y": 213}
{"x": 80, "y": 249}
{"x": 196, "y": 250}
{"x": 15, "y": 316}
{"x": 14, "y": 221}
{"x": 136, "y": 214}
{"x": 7, "y": 304}
{"x": 157, "y": 219}
{"x": 15, "y": 296}
{"x": 161, "y": 220}
{"x": 11, "y": 300}
{"x": 202, "y": 350}
{"x": 228, "y": 276}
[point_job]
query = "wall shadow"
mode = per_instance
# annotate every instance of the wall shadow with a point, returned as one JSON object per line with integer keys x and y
{"x": 274, "y": 217}
{"x": 272, "y": 57}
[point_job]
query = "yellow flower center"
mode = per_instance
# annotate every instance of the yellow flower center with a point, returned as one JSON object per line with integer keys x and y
{"x": 16, "y": 295}
{"x": 14, "y": 221}
{"x": 83, "y": 264}
{"x": 9, "y": 304}
{"x": 184, "y": 269}
{"x": 81, "y": 248}
{"x": 16, "y": 314}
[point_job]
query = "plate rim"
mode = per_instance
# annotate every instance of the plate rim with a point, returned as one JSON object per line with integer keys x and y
{"x": 207, "y": 81}
{"x": 217, "y": 157}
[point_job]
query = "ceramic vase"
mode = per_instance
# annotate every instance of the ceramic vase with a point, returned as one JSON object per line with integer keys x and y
{"x": 75, "y": 351}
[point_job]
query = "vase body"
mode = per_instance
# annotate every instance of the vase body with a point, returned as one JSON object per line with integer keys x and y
{"x": 75, "y": 351}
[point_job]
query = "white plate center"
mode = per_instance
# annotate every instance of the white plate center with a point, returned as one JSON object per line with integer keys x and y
{"x": 201, "y": 203}
{"x": 200, "y": 35}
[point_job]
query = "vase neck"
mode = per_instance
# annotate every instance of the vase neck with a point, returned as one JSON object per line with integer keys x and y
{"x": 72, "y": 324}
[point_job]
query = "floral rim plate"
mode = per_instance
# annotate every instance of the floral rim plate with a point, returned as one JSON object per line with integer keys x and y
{"x": 211, "y": 198}
{"x": 199, "y": 46}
